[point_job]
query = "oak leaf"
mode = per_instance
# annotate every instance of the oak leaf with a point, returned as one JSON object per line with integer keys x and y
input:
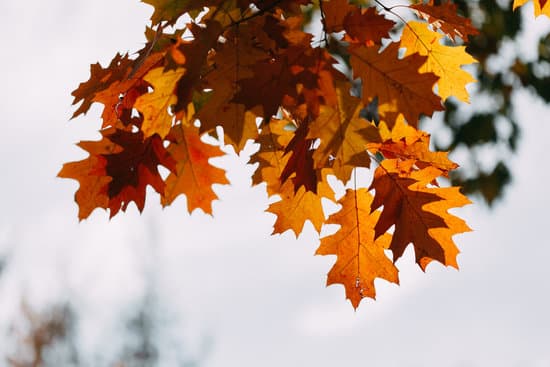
{"x": 108, "y": 85}
{"x": 418, "y": 212}
{"x": 170, "y": 10}
{"x": 444, "y": 16}
{"x": 406, "y": 143}
{"x": 367, "y": 26}
{"x": 360, "y": 257}
{"x": 298, "y": 206}
{"x": 232, "y": 62}
{"x": 299, "y": 166}
{"x": 541, "y": 6}
{"x": 444, "y": 61}
{"x": 118, "y": 170}
{"x": 157, "y": 106}
{"x": 271, "y": 156}
{"x": 194, "y": 175}
{"x": 340, "y": 131}
{"x": 334, "y": 13}
{"x": 397, "y": 83}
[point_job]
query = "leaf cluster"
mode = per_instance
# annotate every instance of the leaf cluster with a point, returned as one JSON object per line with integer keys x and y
{"x": 245, "y": 70}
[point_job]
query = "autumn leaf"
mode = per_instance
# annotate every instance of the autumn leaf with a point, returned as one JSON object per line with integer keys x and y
{"x": 340, "y": 131}
{"x": 444, "y": 61}
{"x": 334, "y": 13}
{"x": 360, "y": 257}
{"x": 232, "y": 62}
{"x": 271, "y": 156}
{"x": 107, "y": 85}
{"x": 298, "y": 206}
{"x": 100, "y": 80}
{"x": 118, "y": 170}
{"x": 418, "y": 212}
{"x": 367, "y": 27}
{"x": 406, "y": 143}
{"x": 444, "y": 16}
{"x": 170, "y": 10}
{"x": 541, "y": 6}
{"x": 397, "y": 83}
{"x": 92, "y": 191}
{"x": 194, "y": 174}
{"x": 156, "y": 106}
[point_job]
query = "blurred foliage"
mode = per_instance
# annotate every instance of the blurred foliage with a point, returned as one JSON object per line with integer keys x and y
{"x": 49, "y": 339}
{"x": 497, "y": 24}
{"x": 494, "y": 131}
{"x": 45, "y": 338}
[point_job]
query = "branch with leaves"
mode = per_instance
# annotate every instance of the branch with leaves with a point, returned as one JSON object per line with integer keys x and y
{"x": 249, "y": 69}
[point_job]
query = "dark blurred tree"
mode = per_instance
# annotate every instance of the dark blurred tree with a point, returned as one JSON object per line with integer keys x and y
{"x": 497, "y": 23}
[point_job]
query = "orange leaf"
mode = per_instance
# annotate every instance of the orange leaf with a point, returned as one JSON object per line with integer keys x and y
{"x": 360, "y": 257}
{"x": 194, "y": 175}
{"x": 406, "y": 143}
{"x": 106, "y": 86}
{"x": 271, "y": 158}
{"x": 296, "y": 207}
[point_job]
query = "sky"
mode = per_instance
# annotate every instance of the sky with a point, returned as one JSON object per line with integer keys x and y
{"x": 228, "y": 293}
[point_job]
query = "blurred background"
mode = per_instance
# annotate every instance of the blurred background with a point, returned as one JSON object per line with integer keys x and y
{"x": 171, "y": 289}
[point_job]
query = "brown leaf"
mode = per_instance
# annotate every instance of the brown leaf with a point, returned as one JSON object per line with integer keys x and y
{"x": 334, "y": 13}
{"x": 367, "y": 27}
{"x": 397, "y": 83}
{"x": 418, "y": 212}
{"x": 444, "y": 16}
{"x": 118, "y": 170}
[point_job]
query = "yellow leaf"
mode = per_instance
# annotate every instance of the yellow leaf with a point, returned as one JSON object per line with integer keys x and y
{"x": 155, "y": 106}
{"x": 541, "y": 6}
{"x": 295, "y": 207}
{"x": 443, "y": 61}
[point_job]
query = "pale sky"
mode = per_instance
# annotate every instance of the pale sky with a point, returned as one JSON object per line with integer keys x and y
{"x": 254, "y": 300}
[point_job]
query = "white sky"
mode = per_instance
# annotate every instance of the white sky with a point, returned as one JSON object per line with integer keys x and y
{"x": 260, "y": 299}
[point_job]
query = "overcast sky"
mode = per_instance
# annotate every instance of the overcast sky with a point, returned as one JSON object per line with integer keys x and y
{"x": 254, "y": 300}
